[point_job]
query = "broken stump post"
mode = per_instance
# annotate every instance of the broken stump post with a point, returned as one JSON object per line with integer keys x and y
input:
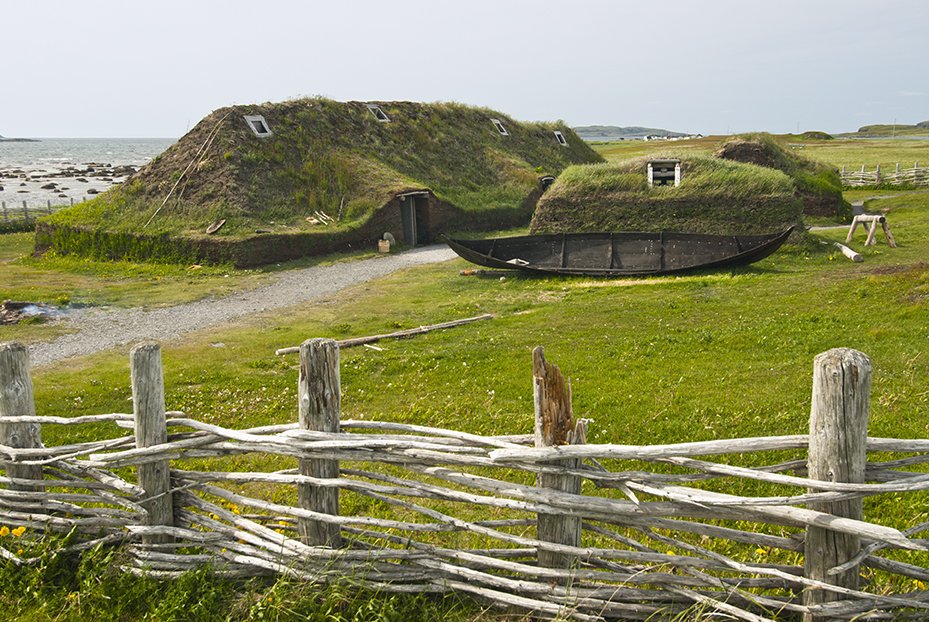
{"x": 837, "y": 453}
{"x": 148, "y": 407}
{"x": 554, "y": 425}
{"x": 16, "y": 400}
{"x": 319, "y": 393}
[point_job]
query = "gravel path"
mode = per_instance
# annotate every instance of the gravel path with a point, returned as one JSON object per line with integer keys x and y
{"x": 100, "y": 329}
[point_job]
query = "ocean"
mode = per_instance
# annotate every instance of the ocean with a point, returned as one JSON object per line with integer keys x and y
{"x": 77, "y": 167}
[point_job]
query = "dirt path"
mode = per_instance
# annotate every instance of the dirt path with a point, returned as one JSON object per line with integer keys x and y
{"x": 100, "y": 329}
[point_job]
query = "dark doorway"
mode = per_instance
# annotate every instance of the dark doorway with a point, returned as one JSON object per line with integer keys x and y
{"x": 414, "y": 213}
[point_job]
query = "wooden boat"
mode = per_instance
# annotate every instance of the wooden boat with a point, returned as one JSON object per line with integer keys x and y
{"x": 618, "y": 254}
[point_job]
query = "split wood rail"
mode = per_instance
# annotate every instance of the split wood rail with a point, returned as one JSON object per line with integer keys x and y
{"x": 916, "y": 176}
{"x": 546, "y": 523}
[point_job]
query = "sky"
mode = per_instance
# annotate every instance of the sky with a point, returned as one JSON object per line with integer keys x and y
{"x": 126, "y": 68}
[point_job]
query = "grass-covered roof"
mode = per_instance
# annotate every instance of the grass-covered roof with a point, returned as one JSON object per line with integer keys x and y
{"x": 335, "y": 157}
{"x": 817, "y": 183}
{"x": 715, "y": 196}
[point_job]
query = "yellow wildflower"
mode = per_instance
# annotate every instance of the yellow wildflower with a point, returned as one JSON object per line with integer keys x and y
{"x": 761, "y": 551}
{"x": 4, "y": 531}
{"x": 19, "y": 551}
{"x": 19, "y": 531}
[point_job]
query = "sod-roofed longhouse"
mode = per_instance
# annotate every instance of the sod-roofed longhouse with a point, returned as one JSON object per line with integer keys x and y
{"x": 713, "y": 196}
{"x": 311, "y": 176}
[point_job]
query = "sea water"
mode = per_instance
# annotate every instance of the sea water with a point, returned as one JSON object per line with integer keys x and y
{"x": 26, "y": 166}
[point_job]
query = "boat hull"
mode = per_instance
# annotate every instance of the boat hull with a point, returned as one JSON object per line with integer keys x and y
{"x": 624, "y": 253}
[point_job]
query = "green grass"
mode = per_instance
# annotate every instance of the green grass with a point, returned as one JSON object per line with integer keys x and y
{"x": 651, "y": 360}
{"x": 91, "y": 587}
{"x": 71, "y": 281}
{"x": 63, "y": 280}
{"x": 887, "y": 130}
{"x": 838, "y": 152}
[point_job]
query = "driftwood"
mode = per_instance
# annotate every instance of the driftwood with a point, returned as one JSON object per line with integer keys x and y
{"x": 401, "y": 334}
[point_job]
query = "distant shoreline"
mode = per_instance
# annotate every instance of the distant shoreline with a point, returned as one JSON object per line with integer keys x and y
{"x": 19, "y": 140}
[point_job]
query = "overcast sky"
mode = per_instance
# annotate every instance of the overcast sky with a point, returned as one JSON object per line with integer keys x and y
{"x": 96, "y": 68}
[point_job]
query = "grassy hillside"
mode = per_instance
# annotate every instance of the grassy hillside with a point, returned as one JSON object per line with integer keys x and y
{"x": 613, "y": 132}
{"x": 715, "y": 196}
{"x": 886, "y": 130}
{"x": 329, "y": 156}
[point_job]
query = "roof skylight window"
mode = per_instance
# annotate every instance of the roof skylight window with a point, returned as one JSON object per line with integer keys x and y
{"x": 500, "y": 128}
{"x": 561, "y": 138}
{"x": 379, "y": 114}
{"x": 258, "y": 125}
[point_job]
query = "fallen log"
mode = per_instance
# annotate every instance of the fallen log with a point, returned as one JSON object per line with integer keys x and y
{"x": 856, "y": 257}
{"x": 400, "y": 334}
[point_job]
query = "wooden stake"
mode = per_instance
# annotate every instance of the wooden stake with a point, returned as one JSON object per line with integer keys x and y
{"x": 319, "y": 392}
{"x": 16, "y": 400}
{"x": 554, "y": 426}
{"x": 837, "y": 453}
{"x": 148, "y": 402}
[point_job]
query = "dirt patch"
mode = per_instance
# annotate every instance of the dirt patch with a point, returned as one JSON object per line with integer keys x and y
{"x": 920, "y": 266}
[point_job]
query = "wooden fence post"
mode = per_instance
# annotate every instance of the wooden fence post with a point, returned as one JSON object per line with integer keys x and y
{"x": 837, "y": 453}
{"x": 6, "y": 217}
{"x": 554, "y": 425}
{"x": 25, "y": 211}
{"x": 148, "y": 404}
{"x": 319, "y": 393}
{"x": 16, "y": 400}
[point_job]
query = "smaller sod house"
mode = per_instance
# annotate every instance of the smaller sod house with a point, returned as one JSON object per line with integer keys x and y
{"x": 818, "y": 185}
{"x": 312, "y": 176}
{"x": 712, "y": 196}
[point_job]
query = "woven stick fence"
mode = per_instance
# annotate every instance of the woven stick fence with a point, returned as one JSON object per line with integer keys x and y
{"x": 916, "y": 176}
{"x": 545, "y": 523}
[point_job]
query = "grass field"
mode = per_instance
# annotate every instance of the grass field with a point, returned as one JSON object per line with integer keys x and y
{"x": 838, "y": 152}
{"x": 651, "y": 360}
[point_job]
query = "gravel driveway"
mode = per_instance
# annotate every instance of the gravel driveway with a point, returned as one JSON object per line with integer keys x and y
{"x": 100, "y": 329}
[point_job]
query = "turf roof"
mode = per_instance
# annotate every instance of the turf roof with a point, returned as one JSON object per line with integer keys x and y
{"x": 329, "y": 156}
{"x": 715, "y": 196}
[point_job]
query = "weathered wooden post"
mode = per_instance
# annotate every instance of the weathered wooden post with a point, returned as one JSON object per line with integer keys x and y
{"x": 16, "y": 400}
{"x": 6, "y": 216}
{"x": 25, "y": 211}
{"x": 877, "y": 174}
{"x": 48, "y": 206}
{"x": 148, "y": 407}
{"x": 319, "y": 391}
{"x": 837, "y": 453}
{"x": 554, "y": 425}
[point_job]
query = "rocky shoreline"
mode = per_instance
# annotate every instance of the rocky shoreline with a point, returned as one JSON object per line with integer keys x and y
{"x": 69, "y": 184}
